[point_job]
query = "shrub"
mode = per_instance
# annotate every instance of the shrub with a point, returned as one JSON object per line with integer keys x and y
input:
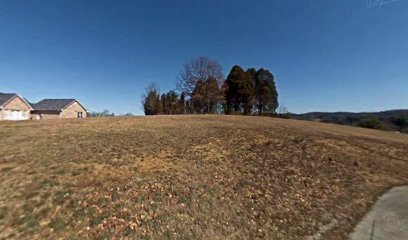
{"x": 401, "y": 122}
{"x": 373, "y": 123}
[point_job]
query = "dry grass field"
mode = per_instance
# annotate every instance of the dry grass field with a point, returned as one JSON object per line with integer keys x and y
{"x": 192, "y": 177}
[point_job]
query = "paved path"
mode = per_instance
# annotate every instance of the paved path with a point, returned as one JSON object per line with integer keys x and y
{"x": 387, "y": 220}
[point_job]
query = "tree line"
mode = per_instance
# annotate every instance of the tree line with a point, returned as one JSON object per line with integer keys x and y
{"x": 107, "y": 113}
{"x": 202, "y": 89}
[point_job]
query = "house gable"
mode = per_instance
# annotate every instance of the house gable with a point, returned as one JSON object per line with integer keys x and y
{"x": 75, "y": 102}
{"x": 14, "y": 108}
{"x": 16, "y": 103}
{"x": 72, "y": 110}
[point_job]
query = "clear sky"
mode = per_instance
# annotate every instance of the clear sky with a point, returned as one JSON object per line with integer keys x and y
{"x": 344, "y": 55}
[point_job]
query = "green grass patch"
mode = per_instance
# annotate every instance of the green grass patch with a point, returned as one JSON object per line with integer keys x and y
{"x": 57, "y": 224}
{"x": 29, "y": 223}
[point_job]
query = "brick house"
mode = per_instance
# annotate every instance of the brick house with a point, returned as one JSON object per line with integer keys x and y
{"x": 15, "y": 107}
{"x": 58, "y": 108}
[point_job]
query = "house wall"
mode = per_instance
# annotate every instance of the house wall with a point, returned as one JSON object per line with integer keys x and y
{"x": 40, "y": 114}
{"x": 72, "y": 111}
{"x": 46, "y": 116}
{"x": 16, "y": 104}
{"x": 35, "y": 116}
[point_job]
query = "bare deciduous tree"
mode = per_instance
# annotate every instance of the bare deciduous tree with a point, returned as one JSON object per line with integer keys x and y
{"x": 199, "y": 69}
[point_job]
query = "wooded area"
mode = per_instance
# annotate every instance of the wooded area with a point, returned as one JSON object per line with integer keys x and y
{"x": 202, "y": 89}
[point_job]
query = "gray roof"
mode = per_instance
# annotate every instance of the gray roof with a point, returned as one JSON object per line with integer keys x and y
{"x": 4, "y": 97}
{"x": 52, "y": 104}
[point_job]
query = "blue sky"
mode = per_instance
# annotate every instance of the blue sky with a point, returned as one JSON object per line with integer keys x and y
{"x": 349, "y": 55}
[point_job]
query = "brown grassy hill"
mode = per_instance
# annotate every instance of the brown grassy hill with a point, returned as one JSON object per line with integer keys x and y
{"x": 183, "y": 177}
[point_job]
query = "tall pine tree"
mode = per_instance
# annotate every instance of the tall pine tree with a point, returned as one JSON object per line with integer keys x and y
{"x": 266, "y": 95}
{"x": 239, "y": 91}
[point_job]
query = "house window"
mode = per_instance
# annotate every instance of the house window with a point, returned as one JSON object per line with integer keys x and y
{"x": 79, "y": 114}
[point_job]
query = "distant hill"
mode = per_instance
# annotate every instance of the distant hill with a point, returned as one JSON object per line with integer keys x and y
{"x": 392, "y": 120}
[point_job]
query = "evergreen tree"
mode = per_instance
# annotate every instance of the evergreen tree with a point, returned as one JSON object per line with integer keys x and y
{"x": 197, "y": 97}
{"x": 181, "y": 105}
{"x": 213, "y": 95}
{"x": 172, "y": 100}
{"x": 266, "y": 95}
{"x": 206, "y": 96}
{"x": 151, "y": 101}
{"x": 239, "y": 91}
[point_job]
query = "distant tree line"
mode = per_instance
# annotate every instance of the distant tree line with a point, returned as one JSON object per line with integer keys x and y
{"x": 202, "y": 89}
{"x": 393, "y": 120}
{"x": 107, "y": 113}
{"x": 104, "y": 113}
{"x": 399, "y": 123}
